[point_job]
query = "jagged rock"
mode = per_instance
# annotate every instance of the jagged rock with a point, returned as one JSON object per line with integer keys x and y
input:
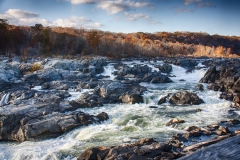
{"x": 185, "y": 97}
{"x": 163, "y": 99}
{"x": 179, "y": 137}
{"x": 155, "y": 77}
{"x": 131, "y": 98}
{"x": 174, "y": 121}
{"x": 165, "y": 68}
{"x": 186, "y": 63}
{"x": 222, "y": 130}
{"x": 210, "y": 76}
{"x": 200, "y": 87}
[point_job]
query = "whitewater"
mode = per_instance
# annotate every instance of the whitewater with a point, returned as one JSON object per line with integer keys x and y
{"x": 129, "y": 122}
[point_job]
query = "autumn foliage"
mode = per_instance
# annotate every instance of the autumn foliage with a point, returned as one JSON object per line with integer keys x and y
{"x": 66, "y": 42}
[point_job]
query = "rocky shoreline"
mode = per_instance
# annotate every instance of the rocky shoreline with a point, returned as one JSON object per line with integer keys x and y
{"x": 28, "y": 113}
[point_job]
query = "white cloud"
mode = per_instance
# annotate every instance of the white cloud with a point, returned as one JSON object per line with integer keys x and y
{"x": 74, "y": 21}
{"x": 187, "y": 2}
{"x": 134, "y": 17}
{"x": 71, "y": 22}
{"x": 113, "y": 7}
{"x": 83, "y": 1}
{"x": 18, "y": 17}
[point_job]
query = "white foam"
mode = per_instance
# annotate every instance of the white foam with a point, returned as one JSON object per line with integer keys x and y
{"x": 108, "y": 71}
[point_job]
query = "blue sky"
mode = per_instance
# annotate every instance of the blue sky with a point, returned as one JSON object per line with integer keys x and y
{"x": 211, "y": 16}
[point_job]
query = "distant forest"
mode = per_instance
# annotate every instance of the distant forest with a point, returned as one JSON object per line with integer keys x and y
{"x": 43, "y": 41}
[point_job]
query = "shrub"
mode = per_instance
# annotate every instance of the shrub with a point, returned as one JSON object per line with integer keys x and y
{"x": 36, "y": 67}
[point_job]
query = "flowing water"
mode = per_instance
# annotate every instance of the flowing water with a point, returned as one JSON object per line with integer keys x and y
{"x": 128, "y": 123}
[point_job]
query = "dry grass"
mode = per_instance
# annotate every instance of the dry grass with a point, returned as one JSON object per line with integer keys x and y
{"x": 35, "y": 67}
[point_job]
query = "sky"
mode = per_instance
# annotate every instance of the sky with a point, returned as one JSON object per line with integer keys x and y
{"x": 212, "y": 16}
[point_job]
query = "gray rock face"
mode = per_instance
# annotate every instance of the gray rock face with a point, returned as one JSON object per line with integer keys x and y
{"x": 131, "y": 99}
{"x": 40, "y": 115}
{"x": 165, "y": 68}
{"x": 181, "y": 98}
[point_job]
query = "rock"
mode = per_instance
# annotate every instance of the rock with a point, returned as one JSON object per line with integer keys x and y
{"x": 28, "y": 94}
{"x": 4, "y": 85}
{"x": 193, "y": 133}
{"x": 5, "y": 99}
{"x": 181, "y": 98}
{"x": 234, "y": 121}
{"x": 222, "y": 130}
{"x": 213, "y": 86}
{"x": 200, "y": 87}
{"x": 198, "y": 110}
{"x": 186, "y": 63}
{"x": 131, "y": 99}
{"x": 165, "y": 68}
{"x": 94, "y": 153}
{"x": 179, "y": 137}
{"x": 236, "y": 99}
{"x": 154, "y": 77}
{"x": 161, "y": 79}
{"x": 146, "y": 141}
{"x": 174, "y": 121}
{"x": 163, "y": 99}
{"x": 49, "y": 74}
{"x": 210, "y": 76}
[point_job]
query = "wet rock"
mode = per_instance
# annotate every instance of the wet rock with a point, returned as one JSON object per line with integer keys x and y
{"x": 174, "y": 121}
{"x": 226, "y": 96}
{"x": 4, "y": 85}
{"x": 222, "y": 130}
{"x": 181, "y": 98}
{"x": 179, "y": 137}
{"x": 49, "y": 75}
{"x": 234, "y": 121}
{"x": 198, "y": 110}
{"x": 161, "y": 79}
{"x": 131, "y": 98}
{"x": 165, "y": 68}
{"x": 236, "y": 100}
{"x": 28, "y": 94}
{"x": 193, "y": 133}
{"x": 146, "y": 141}
{"x": 155, "y": 77}
{"x": 200, "y": 87}
{"x": 210, "y": 76}
{"x": 163, "y": 99}
{"x": 94, "y": 153}
{"x": 213, "y": 86}
{"x": 186, "y": 63}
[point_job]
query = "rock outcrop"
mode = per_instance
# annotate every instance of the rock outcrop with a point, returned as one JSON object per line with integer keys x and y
{"x": 181, "y": 98}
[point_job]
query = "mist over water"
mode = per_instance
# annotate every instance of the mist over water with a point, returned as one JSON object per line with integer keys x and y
{"x": 128, "y": 123}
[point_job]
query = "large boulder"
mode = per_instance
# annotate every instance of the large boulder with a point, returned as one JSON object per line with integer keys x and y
{"x": 181, "y": 98}
{"x": 210, "y": 76}
{"x": 131, "y": 99}
{"x": 165, "y": 68}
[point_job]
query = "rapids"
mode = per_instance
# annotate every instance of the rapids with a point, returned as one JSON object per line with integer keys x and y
{"x": 128, "y": 123}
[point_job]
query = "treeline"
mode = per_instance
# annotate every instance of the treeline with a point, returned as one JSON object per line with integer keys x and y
{"x": 57, "y": 41}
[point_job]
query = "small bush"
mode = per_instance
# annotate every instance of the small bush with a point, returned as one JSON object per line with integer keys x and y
{"x": 36, "y": 67}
